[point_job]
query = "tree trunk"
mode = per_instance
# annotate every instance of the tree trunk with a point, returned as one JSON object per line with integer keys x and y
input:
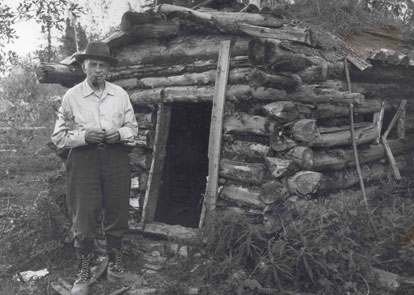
{"x": 281, "y": 167}
{"x": 376, "y": 74}
{"x": 308, "y": 94}
{"x": 296, "y": 34}
{"x": 306, "y": 131}
{"x": 229, "y": 21}
{"x": 199, "y": 94}
{"x": 172, "y": 94}
{"x": 280, "y": 143}
{"x": 244, "y": 123}
{"x": 266, "y": 94}
{"x": 269, "y": 54}
{"x": 338, "y": 180}
{"x": 155, "y": 28}
{"x": 67, "y": 75}
{"x": 236, "y": 76}
{"x": 144, "y": 71}
{"x": 254, "y": 216}
{"x": 314, "y": 73}
{"x": 285, "y": 81}
{"x": 131, "y": 20}
{"x": 166, "y": 231}
{"x": 245, "y": 149}
{"x": 332, "y": 137}
{"x": 378, "y": 91}
{"x": 305, "y": 182}
{"x": 335, "y": 159}
{"x": 274, "y": 191}
{"x": 303, "y": 156}
{"x": 251, "y": 173}
{"x": 335, "y": 110}
{"x": 282, "y": 111}
{"x": 180, "y": 50}
{"x": 287, "y": 111}
{"x": 242, "y": 196}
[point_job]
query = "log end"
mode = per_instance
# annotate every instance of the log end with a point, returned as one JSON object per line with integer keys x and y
{"x": 274, "y": 191}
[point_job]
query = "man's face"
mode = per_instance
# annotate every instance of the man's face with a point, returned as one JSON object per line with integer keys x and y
{"x": 96, "y": 71}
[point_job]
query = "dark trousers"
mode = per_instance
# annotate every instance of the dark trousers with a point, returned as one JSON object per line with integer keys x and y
{"x": 98, "y": 178}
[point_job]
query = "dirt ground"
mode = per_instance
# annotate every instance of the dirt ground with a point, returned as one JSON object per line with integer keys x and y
{"x": 33, "y": 233}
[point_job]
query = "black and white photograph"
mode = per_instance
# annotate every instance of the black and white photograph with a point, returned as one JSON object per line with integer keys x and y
{"x": 211, "y": 147}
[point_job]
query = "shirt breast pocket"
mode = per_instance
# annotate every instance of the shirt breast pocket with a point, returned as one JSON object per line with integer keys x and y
{"x": 117, "y": 119}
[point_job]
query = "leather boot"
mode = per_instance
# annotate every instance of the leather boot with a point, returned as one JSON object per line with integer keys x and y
{"x": 81, "y": 285}
{"x": 116, "y": 272}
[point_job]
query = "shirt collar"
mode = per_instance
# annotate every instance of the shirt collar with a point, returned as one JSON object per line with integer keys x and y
{"x": 87, "y": 90}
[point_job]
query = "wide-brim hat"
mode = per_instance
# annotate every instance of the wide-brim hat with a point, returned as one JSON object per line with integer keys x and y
{"x": 96, "y": 50}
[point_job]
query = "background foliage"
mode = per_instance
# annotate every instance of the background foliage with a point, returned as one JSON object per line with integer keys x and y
{"x": 353, "y": 15}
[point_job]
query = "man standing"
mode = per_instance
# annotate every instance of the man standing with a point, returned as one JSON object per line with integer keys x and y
{"x": 95, "y": 119}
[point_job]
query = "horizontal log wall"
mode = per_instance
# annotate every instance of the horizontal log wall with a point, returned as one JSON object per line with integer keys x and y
{"x": 303, "y": 140}
{"x": 286, "y": 127}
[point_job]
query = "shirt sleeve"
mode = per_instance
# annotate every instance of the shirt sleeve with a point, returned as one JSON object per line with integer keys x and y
{"x": 66, "y": 134}
{"x": 129, "y": 128}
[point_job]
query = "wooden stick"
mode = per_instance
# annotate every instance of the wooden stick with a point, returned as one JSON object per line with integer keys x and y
{"x": 387, "y": 148}
{"x": 216, "y": 130}
{"x": 354, "y": 147}
{"x": 348, "y": 78}
{"x": 395, "y": 119}
{"x": 378, "y": 120}
{"x": 391, "y": 158}
{"x": 401, "y": 125}
{"x": 358, "y": 167}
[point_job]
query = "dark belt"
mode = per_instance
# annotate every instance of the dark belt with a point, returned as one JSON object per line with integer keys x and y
{"x": 100, "y": 146}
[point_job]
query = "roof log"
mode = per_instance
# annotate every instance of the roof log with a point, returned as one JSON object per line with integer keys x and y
{"x": 227, "y": 21}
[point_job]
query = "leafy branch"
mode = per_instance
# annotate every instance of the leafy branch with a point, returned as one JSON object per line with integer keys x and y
{"x": 49, "y": 14}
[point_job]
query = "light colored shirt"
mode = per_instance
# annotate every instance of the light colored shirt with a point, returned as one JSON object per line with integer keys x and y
{"x": 82, "y": 108}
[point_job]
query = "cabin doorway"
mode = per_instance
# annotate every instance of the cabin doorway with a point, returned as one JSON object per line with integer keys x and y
{"x": 185, "y": 165}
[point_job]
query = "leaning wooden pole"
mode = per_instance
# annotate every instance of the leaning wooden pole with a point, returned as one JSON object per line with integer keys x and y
{"x": 352, "y": 127}
{"x": 354, "y": 147}
{"x": 216, "y": 130}
{"x": 347, "y": 76}
{"x": 384, "y": 140}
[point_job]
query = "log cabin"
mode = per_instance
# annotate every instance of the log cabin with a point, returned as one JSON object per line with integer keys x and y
{"x": 239, "y": 111}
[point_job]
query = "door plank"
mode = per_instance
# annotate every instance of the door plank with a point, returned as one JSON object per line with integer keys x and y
{"x": 216, "y": 130}
{"x": 160, "y": 146}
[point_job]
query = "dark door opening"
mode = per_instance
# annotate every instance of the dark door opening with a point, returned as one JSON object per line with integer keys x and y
{"x": 185, "y": 165}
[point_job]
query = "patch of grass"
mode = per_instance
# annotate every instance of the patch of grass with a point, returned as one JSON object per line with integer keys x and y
{"x": 31, "y": 217}
{"x": 322, "y": 246}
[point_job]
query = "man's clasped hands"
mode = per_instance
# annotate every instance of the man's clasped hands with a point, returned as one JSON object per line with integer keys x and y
{"x": 102, "y": 135}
